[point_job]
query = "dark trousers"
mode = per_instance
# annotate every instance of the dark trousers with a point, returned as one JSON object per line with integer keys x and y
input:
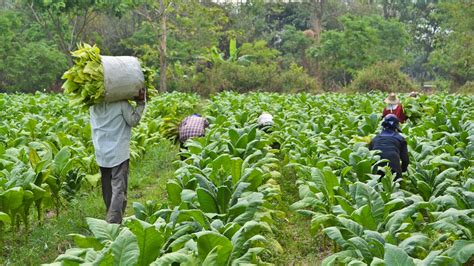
{"x": 114, "y": 190}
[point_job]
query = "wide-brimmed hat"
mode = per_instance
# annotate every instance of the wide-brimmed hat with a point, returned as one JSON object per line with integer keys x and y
{"x": 392, "y": 99}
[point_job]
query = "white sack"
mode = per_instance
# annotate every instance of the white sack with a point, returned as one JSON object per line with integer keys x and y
{"x": 123, "y": 77}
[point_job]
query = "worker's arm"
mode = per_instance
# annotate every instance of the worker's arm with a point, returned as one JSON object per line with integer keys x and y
{"x": 132, "y": 116}
{"x": 403, "y": 116}
{"x": 404, "y": 155}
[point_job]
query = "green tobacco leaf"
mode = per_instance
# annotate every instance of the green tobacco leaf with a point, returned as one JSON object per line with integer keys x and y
{"x": 4, "y": 218}
{"x": 415, "y": 242}
{"x": 171, "y": 259}
{"x": 93, "y": 180}
{"x": 193, "y": 215}
{"x": 102, "y": 230}
{"x": 247, "y": 231}
{"x": 174, "y": 192}
{"x": 396, "y": 256}
{"x": 433, "y": 259}
{"x": 34, "y": 158}
{"x": 125, "y": 248}
{"x": 149, "y": 239}
{"x": 223, "y": 198}
{"x": 462, "y": 250}
{"x": 86, "y": 242}
{"x": 211, "y": 241}
{"x": 207, "y": 201}
{"x": 335, "y": 234}
{"x": 236, "y": 169}
{"x": 12, "y": 198}
{"x": 340, "y": 258}
{"x": 360, "y": 244}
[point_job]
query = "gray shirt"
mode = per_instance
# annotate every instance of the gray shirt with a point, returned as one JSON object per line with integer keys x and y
{"x": 111, "y": 131}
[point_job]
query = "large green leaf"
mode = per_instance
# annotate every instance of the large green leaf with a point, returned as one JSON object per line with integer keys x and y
{"x": 174, "y": 192}
{"x": 462, "y": 250}
{"x": 125, "y": 248}
{"x": 171, "y": 259}
{"x": 12, "y": 198}
{"x": 149, "y": 240}
{"x": 213, "y": 247}
{"x": 207, "y": 202}
{"x": 236, "y": 169}
{"x": 340, "y": 258}
{"x": 223, "y": 198}
{"x": 396, "y": 256}
{"x": 102, "y": 230}
{"x": 4, "y": 218}
{"x": 86, "y": 242}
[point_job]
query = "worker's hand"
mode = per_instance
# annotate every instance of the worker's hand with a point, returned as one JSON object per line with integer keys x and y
{"x": 141, "y": 96}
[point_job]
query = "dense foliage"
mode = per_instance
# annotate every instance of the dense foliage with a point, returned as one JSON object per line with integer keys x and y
{"x": 382, "y": 76}
{"x": 46, "y": 151}
{"x": 328, "y": 42}
{"x": 222, "y": 201}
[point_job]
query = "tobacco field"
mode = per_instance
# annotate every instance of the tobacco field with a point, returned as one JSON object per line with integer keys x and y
{"x": 222, "y": 204}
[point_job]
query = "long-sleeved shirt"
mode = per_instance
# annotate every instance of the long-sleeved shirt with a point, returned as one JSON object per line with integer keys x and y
{"x": 394, "y": 148}
{"x": 396, "y": 110}
{"x": 111, "y": 131}
{"x": 192, "y": 126}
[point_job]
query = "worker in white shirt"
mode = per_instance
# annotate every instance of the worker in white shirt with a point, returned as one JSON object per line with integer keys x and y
{"x": 111, "y": 132}
{"x": 266, "y": 124}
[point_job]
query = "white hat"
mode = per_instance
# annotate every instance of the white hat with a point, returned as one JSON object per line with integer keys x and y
{"x": 265, "y": 119}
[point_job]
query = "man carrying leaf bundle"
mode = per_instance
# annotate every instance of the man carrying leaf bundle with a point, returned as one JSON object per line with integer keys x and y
{"x": 111, "y": 131}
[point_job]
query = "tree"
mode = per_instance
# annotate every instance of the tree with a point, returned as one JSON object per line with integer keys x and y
{"x": 453, "y": 56}
{"x": 362, "y": 42}
{"x": 27, "y": 61}
{"x": 66, "y": 21}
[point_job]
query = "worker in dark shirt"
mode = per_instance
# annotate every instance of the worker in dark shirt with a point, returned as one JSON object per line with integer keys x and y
{"x": 392, "y": 145}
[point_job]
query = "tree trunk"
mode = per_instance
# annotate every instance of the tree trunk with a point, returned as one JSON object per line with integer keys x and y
{"x": 317, "y": 18}
{"x": 316, "y": 25}
{"x": 163, "y": 62}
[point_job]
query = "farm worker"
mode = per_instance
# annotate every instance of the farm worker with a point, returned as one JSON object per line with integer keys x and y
{"x": 413, "y": 94}
{"x": 393, "y": 145}
{"x": 192, "y": 126}
{"x": 265, "y": 121}
{"x": 394, "y": 107}
{"x": 111, "y": 131}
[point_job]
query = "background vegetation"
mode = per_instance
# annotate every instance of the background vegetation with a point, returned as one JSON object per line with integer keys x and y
{"x": 208, "y": 47}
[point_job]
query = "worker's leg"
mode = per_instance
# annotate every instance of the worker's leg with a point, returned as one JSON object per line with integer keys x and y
{"x": 106, "y": 176}
{"x": 119, "y": 193}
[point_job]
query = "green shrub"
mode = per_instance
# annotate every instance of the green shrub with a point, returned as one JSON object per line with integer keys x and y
{"x": 260, "y": 77}
{"x": 36, "y": 66}
{"x": 467, "y": 88}
{"x": 295, "y": 79}
{"x": 442, "y": 85}
{"x": 382, "y": 76}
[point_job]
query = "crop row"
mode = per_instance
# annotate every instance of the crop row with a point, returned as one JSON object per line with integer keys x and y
{"x": 220, "y": 209}
{"x": 426, "y": 219}
{"x": 46, "y": 151}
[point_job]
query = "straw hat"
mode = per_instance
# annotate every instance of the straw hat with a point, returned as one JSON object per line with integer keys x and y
{"x": 392, "y": 99}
